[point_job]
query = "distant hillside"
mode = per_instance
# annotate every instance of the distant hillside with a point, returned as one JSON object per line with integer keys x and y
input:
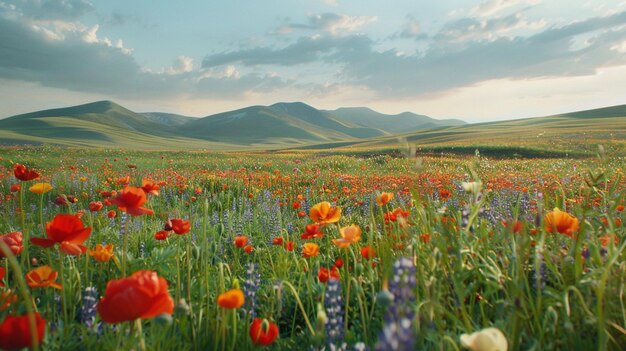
{"x": 251, "y": 125}
{"x": 574, "y": 133}
{"x": 298, "y": 125}
{"x": 391, "y": 124}
{"x": 167, "y": 119}
{"x": 99, "y": 124}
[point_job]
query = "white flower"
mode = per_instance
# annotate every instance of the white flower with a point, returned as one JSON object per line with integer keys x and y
{"x": 472, "y": 187}
{"x": 489, "y": 339}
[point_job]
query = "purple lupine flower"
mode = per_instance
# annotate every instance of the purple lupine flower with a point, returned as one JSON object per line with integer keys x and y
{"x": 333, "y": 303}
{"x": 253, "y": 281}
{"x": 397, "y": 333}
{"x": 88, "y": 309}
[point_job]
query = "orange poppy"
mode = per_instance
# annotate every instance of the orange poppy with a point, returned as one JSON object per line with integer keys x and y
{"x": 14, "y": 241}
{"x": 605, "y": 240}
{"x": 95, "y": 206}
{"x": 263, "y": 332}
{"x": 24, "y": 174}
{"x": 131, "y": 201}
{"x": 101, "y": 253}
{"x": 231, "y": 299}
{"x": 15, "y": 332}
{"x": 67, "y": 230}
{"x": 142, "y": 295}
{"x": 241, "y": 241}
{"x": 349, "y": 235}
{"x": 561, "y": 222}
{"x": 310, "y": 250}
{"x": 150, "y": 187}
{"x": 384, "y": 198}
{"x": 322, "y": 213}
{"x": 312, "y": 231}
{"x": 43, "y": 277}
{"x": 180, "y": 226}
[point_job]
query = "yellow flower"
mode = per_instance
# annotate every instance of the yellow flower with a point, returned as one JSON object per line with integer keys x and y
{"x": 349, "y": 235}
{"x": 101, "y": 253}
{"x": 310, "y": 250}
{"x": 40, "y": 188}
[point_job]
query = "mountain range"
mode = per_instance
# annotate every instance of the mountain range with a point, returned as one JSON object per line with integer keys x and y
{"x": 107, "y": 124}
{"x": 296, "y": 125}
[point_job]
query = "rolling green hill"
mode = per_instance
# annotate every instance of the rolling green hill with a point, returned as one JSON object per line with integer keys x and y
{"x": 97, "y": 124}
{"x": 390, "y": 124}
{"x": 576, "y": 133}
{"x": 293, "y": 126}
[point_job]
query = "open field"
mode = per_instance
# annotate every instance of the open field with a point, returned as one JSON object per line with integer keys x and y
{"x": 423, "y": 249}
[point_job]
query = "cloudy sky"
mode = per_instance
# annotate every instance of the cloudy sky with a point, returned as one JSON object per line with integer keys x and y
{"x": 476, "y": 60}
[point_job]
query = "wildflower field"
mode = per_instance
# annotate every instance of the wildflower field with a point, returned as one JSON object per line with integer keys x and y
{"x": 121, "y": 250}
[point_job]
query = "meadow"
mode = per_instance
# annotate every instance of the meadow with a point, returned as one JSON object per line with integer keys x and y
{"x": 301, "y": 250}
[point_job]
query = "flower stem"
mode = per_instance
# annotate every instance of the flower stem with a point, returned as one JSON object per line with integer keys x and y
{"x": 140, "y": 336}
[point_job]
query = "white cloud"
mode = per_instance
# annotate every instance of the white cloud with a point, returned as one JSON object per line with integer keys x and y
{"x": 492, "y": 7}
{"x": 183, "y": 64}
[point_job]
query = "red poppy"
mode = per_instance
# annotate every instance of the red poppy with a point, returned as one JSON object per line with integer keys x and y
{"x": 277, "y": 241}
{"x": 16, "y": 187}
{"x": 367, "y": 252}
{"x": 64, "y": 200}
{"x": 24, "y": 174}
{"x": 15, "y": 331}
{"x": 95, "y": 206}
{"x": 248, "y": 248}
{"x": 312, "y": 231}
{"x": 131, "y": 201}
{"x": 67, "y": 230}
{"x": 289, "y": 246}
{"x": 14, "y": 241}
{"x": 142, "y": 295}
{"x": 339, "y": 263}
{"x": 2, "y": 273}
{"x": 444, "y": 194}
{"x": 111, "y": 214}
{"x": 324, "y": 274}
{"x": 263, "y": 332}
{"x": 161, "y": 235}
{"x": 180, "y": 226}
{"x": 241, "y": 241}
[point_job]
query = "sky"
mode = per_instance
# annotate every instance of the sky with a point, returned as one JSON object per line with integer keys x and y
{"x": 478, "y": 60}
